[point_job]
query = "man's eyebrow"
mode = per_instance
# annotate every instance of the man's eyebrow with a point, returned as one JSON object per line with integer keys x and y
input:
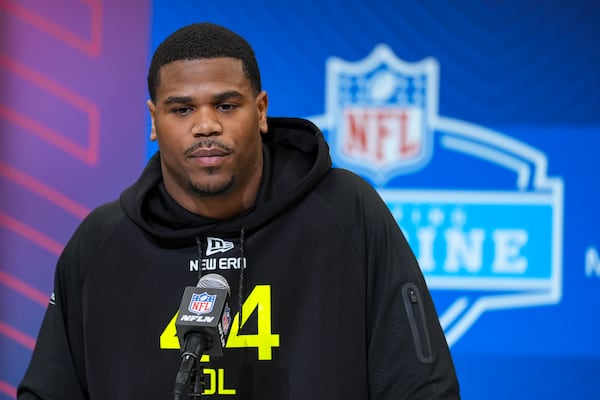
{"x": 219, "y": 97}
{"x": 230, "y": 94}
{"x": 178, "y": 99}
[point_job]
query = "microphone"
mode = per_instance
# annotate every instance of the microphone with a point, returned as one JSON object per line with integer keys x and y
{"x": 202, "y": 324}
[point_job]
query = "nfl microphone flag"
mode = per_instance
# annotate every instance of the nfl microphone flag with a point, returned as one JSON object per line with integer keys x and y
{"x": 205, "y": 310}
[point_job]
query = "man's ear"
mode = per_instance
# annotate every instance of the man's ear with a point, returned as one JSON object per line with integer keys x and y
{"x": 262, "y": 104}
{"x": 152, "y": 109}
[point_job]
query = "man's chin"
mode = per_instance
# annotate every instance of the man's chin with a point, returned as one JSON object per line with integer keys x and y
{"x": 213, "y": 189}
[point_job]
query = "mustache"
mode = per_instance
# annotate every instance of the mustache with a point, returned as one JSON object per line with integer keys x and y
{"x": 207, "y": 144}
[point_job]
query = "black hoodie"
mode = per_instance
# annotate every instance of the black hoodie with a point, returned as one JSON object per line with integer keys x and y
{"x": 334, "y": 306}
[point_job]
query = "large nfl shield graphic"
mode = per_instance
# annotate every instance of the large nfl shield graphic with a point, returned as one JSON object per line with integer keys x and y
{"x": 480, "y": 248}
{"x": 201, "y": 303}
{"x": 382, "y": 112}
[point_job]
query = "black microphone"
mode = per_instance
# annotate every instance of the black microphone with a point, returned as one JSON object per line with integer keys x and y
{"x": 202, "y": 324}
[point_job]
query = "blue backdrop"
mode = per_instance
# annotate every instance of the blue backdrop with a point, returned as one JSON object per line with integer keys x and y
{"x": 477, "y": 121}
{"x": 493, "y": 175}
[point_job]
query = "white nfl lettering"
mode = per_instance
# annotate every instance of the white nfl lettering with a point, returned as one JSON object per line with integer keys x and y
{"x": 198, "y": 318}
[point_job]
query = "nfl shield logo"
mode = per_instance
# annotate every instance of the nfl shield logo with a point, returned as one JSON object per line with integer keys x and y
{"x": 381, "y": 112}
{"x": 201, "y": 303}
{"x": 476, "y": 250}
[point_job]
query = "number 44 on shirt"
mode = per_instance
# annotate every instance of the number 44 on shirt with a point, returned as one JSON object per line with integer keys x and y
{"x": 264, "y": 340}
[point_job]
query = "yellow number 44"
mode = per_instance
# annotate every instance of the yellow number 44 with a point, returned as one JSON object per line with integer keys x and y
{"x": 264, "y": 340}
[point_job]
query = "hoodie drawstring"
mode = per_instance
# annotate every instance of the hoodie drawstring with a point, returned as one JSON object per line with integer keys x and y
{"x": 241, "y": 281}
{"x": 199, "y": 246}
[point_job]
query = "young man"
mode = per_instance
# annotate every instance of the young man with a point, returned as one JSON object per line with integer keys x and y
{"x": 333, "y": 304}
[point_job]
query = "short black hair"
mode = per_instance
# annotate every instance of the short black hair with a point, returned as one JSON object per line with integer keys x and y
{"x": 200, "y": 41}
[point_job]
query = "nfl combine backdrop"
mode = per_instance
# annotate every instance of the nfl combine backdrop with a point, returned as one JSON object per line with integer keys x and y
{"x": 477, "y": 122}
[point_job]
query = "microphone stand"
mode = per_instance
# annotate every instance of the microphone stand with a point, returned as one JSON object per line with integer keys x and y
{"x": 195, "y": 382}
{"x": 190, "y": 372}
{"x": 198, "y": 387}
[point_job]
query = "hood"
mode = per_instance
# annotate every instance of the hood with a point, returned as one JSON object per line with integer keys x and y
{"x": 296, "y": 157}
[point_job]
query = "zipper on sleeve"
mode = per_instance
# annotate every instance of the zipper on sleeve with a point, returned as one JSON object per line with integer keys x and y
{"x": 418, "y": 324}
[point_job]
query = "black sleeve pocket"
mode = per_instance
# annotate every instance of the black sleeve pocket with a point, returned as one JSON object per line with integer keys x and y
{"x": 418, "y": 324}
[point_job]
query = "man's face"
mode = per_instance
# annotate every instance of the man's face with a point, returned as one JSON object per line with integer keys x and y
{"x": 208, "y": 124}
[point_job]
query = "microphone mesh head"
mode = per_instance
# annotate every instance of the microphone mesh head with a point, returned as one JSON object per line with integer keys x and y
{"x": 213, "y": 281}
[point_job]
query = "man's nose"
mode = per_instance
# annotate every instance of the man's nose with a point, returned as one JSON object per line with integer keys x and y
{"x": 206, "y": 123}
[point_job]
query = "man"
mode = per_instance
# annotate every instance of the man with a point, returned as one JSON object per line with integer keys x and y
{"x": 328, "y": 299}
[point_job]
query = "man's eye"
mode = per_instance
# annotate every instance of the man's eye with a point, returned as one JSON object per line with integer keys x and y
{"x": 226, "y": 107}
{"x": 182, "y": 110}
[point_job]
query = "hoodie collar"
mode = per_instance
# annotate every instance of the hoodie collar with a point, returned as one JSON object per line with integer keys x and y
{"x": 296, "y": 157}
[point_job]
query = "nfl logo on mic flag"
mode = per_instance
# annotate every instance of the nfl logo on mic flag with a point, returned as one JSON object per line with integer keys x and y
{"x": 202, "y": 303}
{"x": 205, "y": 310}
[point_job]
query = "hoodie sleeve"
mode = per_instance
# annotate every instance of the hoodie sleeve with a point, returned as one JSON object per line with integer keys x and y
{"x": 56, "y": 369}
{"x": 408, "y": 357}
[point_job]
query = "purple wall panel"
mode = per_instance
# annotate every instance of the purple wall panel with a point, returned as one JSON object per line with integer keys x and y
{"x": 72, "y": 136}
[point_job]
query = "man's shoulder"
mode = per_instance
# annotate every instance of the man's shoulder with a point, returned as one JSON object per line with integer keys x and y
{"x": 104, "y": 223}
{"x": 107, "y": 212}
{"x": 103, "y": 217}
{"x": 342, "y": 182}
